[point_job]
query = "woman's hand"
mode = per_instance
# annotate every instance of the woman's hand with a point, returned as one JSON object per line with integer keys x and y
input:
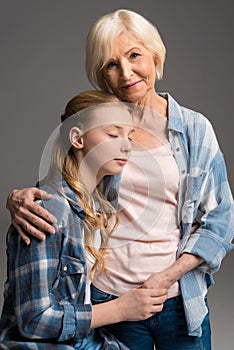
{"x": 134, "y": 305}
{"x": 27, "y": 215}
{"x": 173, "y": 273}
{"x": 159, "y": 280}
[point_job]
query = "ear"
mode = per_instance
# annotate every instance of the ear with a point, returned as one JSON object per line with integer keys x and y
{"x": 76, "y": 139}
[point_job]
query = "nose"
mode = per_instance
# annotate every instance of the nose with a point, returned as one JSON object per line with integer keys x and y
{"x": 126, "y": 147}
{"x": 126, "y": 69}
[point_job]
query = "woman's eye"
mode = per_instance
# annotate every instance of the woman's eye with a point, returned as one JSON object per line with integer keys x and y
{"x": 111, "y": 65}
{"x": 113, "y": 135}
{"x": 134, "y": 55}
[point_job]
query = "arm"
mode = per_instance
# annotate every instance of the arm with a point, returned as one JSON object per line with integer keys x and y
{"x": 39, "y": 283}
{"x": 207, "y": 192}
{"x": 134, "y": 305}
{"x": 211, "y": 241}
{"x": 27, "y": 215}
{"x": 173, "y": 273}
{"x": 40, "y": 288}
{"x": 46, "y": 294}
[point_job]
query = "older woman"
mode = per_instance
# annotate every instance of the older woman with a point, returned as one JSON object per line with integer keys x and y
{"x": 176, "y": 175}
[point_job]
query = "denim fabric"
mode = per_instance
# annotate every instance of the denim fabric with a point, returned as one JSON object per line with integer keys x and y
{"x": 44, "y": 294}
{"x": 91, "y": 342}
{"x": 205, "y": 195}
{"x": 166, "y": 330}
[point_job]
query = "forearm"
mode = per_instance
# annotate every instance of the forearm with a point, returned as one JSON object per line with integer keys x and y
{"x": 180, "y": 267}
{"x": 106, "y": 313}
{"x": 134, "y": 305}
{"x": 167, "y": 277}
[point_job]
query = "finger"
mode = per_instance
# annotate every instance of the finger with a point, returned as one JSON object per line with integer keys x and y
{"x": 41, "y": 194}
{"x": 22, "y": 234}
{"x": 194, "y": 228}
{"x": 36, "y": 208}
{"x": 37, "y": 222}
{"x": 157, "y": 308}
{"x": 44, "y": 214}
{"x": 156, "y": 292}
{"x": 27, "y": 229}
{"x": 159, "y": 300}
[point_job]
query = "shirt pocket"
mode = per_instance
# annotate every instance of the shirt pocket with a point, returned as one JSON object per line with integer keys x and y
{"x": 193, "y": 192}
{"x": 70, "y": 279}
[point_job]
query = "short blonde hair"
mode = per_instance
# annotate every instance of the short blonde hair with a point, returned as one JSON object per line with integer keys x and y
{"x": 104, "y": 31}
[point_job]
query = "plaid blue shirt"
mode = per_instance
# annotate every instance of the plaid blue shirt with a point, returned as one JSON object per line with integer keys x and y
{"x": 45, "y": 289}
{"x": 204, "y": 193}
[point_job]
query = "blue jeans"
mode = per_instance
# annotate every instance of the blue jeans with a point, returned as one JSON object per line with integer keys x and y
{"x": 91, "y": 342}
{"x": 166, "y": 330}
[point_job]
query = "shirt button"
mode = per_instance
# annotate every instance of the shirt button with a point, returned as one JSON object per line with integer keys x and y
{"x": 65, "y": 268}
{"x": 177, "y": 149}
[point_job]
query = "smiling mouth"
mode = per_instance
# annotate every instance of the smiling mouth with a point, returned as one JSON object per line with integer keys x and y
{"x": 129, "y": 86}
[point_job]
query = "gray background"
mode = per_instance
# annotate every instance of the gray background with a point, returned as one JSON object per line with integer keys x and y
{"x": 42, "y": 66}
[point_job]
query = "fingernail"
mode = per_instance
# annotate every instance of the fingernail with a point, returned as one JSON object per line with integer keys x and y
{"x": 27, "y": 241}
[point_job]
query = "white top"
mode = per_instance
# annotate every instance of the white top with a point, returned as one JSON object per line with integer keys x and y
{"x": 147, "y": 236}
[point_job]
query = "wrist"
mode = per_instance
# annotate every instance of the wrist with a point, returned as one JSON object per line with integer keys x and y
{"x": 169, "y": 277}
{"x": 184, "y": 264}
{"x": 120, "y": 310}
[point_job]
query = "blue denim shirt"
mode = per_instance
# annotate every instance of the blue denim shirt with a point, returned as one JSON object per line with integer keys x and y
{"x": 205, "y": 195}
{"x": 45, "y": 289}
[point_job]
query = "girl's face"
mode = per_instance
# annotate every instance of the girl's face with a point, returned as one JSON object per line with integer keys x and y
{"x": 130, "y": 71}
{"x": 107, "y": 145}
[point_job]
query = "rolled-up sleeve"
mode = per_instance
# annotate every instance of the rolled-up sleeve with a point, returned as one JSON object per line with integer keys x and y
{"x": 48, "y": 281}
{"x": 213, "y": 199}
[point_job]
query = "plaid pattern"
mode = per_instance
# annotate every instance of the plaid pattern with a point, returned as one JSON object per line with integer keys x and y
{"x": 204, "y": 193}
{"x": 44, "y": 293}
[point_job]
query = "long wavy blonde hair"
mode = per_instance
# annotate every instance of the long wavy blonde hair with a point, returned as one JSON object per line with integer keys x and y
{"x": 65, "y": 161}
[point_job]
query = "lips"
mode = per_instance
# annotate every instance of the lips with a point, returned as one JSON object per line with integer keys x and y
{"x": 131, "y": 85}
{"x": 121, "y": 161}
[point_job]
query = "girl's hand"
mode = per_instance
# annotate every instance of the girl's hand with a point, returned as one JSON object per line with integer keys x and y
{"x": 134, "y": 305}
{"x": 140, "y": 304}
{"x": 27, "y": 216}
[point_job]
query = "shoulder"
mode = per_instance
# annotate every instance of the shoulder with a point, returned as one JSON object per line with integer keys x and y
{"x": 58, "y": 205}
{"x": 199, "y": 128}
{"x": 187, "y": 116}
{"x": 192, "y": 117}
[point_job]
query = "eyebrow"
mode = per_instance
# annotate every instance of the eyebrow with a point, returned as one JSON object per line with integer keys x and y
{"x": 132, "y": 48}
{"x": 118, "y": 127}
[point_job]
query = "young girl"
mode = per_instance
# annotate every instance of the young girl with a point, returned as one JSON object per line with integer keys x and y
{"x": 47, "y": 303}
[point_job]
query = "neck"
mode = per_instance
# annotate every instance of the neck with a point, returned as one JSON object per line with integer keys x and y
{"x": 89, "y": 178}
{"x": 152, "y": 101}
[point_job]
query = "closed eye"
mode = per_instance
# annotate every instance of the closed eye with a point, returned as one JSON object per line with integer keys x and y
{"x": 113, "y": 135}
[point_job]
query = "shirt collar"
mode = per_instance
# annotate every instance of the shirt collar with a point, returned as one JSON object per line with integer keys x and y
{"x": 175, "y": 118}
{"x": 62, "y": 185}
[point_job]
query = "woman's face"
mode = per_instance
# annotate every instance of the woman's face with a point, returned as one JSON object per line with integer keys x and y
{"x": 130, "y": 71}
